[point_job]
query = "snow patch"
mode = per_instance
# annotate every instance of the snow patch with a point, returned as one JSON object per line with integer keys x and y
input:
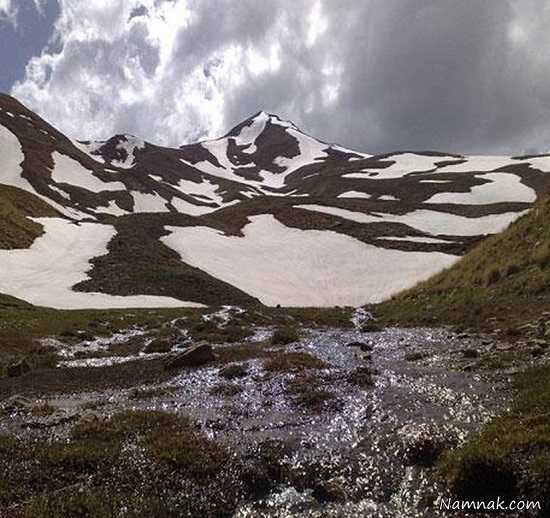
{"x": 45, "y": 273}
{"x": 354, "y": 194}
{"x": 67, "y": 170}
{"x": 501, "y": 188}
{"x": 293, "y": 267}
{"x": 428, "y": 221}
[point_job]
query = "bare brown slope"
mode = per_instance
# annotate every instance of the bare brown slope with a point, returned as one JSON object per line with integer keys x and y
{"x": 17, "y": 230}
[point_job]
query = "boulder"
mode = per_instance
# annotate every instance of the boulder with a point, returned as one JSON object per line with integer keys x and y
{"x": 192, "y": 357}
{"x": 421, "y": 444}
{"x": 158, "y": 345}
{"x": 329, "y": 491}
{"x": 366, "y": 348}
{"x": 18, "y": 369}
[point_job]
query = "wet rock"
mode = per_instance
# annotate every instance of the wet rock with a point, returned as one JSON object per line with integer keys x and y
{"x": 294, "y": 502}
{"x": 158, "y": 345}
{"x": 18, "y": 369}
{"x": 330, "y": 491}
{"x": 16, "y": 403}
{"x": 365, "y": 347}
{"x": 470, "y": 353}
{"x": 536, "y": 352}
{"x": 193, "y": 357}
{"x": 416, "y": 356}
{"x": 421, "y": 444}
{"x": 539, "y": 342}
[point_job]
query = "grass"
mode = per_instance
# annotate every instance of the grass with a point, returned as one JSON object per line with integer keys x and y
{"x": 226, "y": 390}
{"x": 293, "y": 361}
{"x": 210, "y": 331}
{"x": 285, "y": 335}
{"x": 308, "y": 392}
{"x": 17, "y": 230}
{"x": 361, "y": 377}
{"x": 501, "y": 283}
{"x": 233, "y": 371}
{"x": 511, "y": 456}
{"x": 83, "y": 476}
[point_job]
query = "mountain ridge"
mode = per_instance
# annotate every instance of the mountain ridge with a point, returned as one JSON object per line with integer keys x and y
{"x": 224, "y": 198}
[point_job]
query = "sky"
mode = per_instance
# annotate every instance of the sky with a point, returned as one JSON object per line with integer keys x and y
{"x": 468, "y": 76}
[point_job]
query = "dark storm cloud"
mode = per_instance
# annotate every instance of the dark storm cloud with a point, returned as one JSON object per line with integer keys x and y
{"x": 466, "y": 76}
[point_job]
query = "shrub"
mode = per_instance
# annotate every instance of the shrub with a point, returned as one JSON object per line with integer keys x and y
{"x": 285, "y": 335}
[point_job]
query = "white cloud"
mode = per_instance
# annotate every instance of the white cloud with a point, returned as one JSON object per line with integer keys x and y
{"x": 375, "y": 75}
{"x": 170, "y": 72}
{"x": 8, "y": 12}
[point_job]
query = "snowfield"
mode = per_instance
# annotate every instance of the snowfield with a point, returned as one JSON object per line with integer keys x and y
{"x": 45, "y": 273}
{"x": 501, "y": 187}
{"x": 68, "y": 170}
{"x": 293, "y": 267}
{"x": 427, "y": 221}
{"x": 405, "y": 164}
{"x": 11, "y": 172}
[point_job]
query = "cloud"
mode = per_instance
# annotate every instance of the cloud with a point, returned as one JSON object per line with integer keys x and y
{"x": 8, "y": 12}
{"x": 376, "y": 75}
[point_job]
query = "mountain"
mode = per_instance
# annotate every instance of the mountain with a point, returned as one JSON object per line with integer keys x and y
{"x": 265, "y": 214}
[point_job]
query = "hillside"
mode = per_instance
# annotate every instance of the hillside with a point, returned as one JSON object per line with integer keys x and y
{"x": 502, "y": 283}
{"x": 265, "y": 215}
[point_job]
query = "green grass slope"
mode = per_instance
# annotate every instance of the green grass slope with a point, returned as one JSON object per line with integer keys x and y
{"x": 501, "y": 283}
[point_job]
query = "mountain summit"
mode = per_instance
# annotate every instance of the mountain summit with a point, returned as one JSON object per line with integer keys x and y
{"x": 265, "y": 214}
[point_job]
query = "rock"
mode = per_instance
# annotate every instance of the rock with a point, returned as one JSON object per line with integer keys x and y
{"x": 366, "y": 348}
{"x": 470, "y": 353}
{"x": 540, "y": 330}
{"x": 462, "y": 336}
{"x": 329, "y": 491}
{"x": 192, "y": 357}
{"x": 413, "y": 357}
{"x": 469, "y": 367}
{"x": 15, "y": 403}
{"x": 536, "y": 352}
{"x": 421, "y": 444}
{"x": 158, "y": 345}
{"x": 18, "y": 369}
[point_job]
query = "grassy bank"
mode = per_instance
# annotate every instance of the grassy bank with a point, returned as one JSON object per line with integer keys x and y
{"x": 511, "y": 457}
{"x": 502, "y": 283}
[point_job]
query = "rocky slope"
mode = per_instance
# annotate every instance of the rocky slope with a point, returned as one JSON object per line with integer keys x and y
{"x": 265, "y": 214}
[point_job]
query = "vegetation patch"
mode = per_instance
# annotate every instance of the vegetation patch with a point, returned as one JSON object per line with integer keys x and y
{"x": 293, "y": 361}
{"x": 308, "y": 392}
{"x": 361, "y": 377}
{"x": 501, "y": 283}
{"x": 233, "y": 371}
{"x": 78, "y": 477}
{"x": 285, "y": 335}
{"x": 511, "y": 456}
{"x": 226, "y": 390}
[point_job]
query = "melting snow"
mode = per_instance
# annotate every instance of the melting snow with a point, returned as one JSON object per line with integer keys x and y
{"x": 45, "y": 273}
{"x": 428, "y": 221}
{"x": 502, "y": 187}
{"x": 67, "y": 170}
{"x": 404, "y": 164}
{"x": 149, "y": 202}
{"x": 293, "y": 267}
{"x": 354, "y": 194}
